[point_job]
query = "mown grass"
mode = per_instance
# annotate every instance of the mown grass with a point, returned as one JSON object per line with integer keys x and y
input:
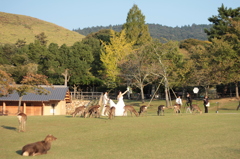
{"x": 212, "y": 135}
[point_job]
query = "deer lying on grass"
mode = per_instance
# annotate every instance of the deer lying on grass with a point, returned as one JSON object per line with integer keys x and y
{"x": 93, "y": 111}
{"x": 195, "y": 108}
{"x": 177, "y": 108}
{"x": 130, "y": 109}
{"x": 143, "y": 110}
{"x": 79, "y": 110}
{"x": 160, "y": 110}
{"x": 112, "y": 112}
{"x": 38, "y": 148}
{"x": 22, "y": 119}
{"x": 107, "y": 110}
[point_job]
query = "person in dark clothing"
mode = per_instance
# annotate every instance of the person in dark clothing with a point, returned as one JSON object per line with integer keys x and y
{"x": 189, "y": 101}
{"x": 205, "y": 102}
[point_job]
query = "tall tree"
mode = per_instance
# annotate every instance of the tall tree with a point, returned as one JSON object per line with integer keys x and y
{"x": 226, "y": 28}
{"x": 112, "y": 55}
{"x": 135, "y": 27}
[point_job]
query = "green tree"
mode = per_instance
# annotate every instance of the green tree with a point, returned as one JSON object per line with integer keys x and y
{"x": 226, "y": 29}
{"x": 135, "y": 27}
{"x": 112, "y": 55}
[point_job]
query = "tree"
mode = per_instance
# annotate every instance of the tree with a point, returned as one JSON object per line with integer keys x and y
{"x": 137, "y": 69}
{"x": 31, "y": 84}
{"x": 226, "y": 29}
{"x": 42, "y": 38}
{"x": 135, "y": 27}
{"x": 112, "y": 55}
{"x": 166, "y": 64}
{"x": 6, "y": 83}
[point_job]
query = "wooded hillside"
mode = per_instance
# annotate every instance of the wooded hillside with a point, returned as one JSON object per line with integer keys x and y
{"x": 14, "y": 27}
{"x": 159, "y": 31}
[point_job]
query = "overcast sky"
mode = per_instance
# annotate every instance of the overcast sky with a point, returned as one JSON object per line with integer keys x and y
{"x": 74, "y": 14}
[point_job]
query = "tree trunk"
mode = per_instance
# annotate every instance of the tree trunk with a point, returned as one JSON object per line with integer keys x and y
{"x": 142, "y": 94}
{"x": 237, "y": 92}
{"x": 19, "y": 103}
{"x": 166, "y": 93}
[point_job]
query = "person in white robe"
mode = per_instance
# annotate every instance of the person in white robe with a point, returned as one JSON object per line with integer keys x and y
{"x": 120, "y": 104}
{"x": 105, "y": 102}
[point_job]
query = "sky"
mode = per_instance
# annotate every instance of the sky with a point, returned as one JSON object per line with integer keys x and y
{"x": 75, "y": 14}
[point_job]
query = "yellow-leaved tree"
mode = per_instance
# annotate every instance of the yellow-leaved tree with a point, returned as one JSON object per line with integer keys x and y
{"x": 113, "y": 54}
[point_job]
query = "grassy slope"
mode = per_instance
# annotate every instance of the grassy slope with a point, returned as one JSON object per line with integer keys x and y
{"x": 14, "y": 27}
{"x": 172, "y": 136}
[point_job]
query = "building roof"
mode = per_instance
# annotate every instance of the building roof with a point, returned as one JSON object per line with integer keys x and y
{"x": 57, "y": 92}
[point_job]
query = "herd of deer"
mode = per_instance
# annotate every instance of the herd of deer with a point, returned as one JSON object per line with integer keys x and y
{"x": 94, "y": 111}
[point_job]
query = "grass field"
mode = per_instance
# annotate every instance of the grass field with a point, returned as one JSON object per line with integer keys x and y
{"x": 210, "y": 136}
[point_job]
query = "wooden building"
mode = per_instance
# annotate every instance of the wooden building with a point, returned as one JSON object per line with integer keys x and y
{"x": 53, "y": 103}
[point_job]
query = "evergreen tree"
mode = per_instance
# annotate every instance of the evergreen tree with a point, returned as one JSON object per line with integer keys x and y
{"x": 135, "y": 27}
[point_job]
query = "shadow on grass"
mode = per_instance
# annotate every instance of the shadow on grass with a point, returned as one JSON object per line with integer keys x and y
{"x": 19, "y": 152}
{"x": 9, "y": 127}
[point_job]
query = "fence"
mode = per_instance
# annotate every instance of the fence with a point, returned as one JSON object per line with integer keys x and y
{"x": 86, "y": 95}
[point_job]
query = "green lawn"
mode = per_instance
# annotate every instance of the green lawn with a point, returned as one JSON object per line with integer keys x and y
{"x": 213, "y": 135}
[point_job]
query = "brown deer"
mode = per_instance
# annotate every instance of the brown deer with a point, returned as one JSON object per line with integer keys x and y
{"x": 93, "y": 111}
{"x": 130, "y": 109}
{"x": 79, "y": 110}
{"x": 143, "y": 110}
{"x": 112, "y": 112}
{"x": 107, "y": 110}
{"x": 22, "y": 119}
{"x": 38, "y": 148}
{"x": 160, "y": 110}
{"x": 177, "y": 108}
{"x": 195, "y": 108}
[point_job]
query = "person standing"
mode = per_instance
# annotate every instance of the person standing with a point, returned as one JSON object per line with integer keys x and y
{"x": 105, "y": 102}
{"x": 179, "y": 101}
{"x": 205, "y": 102}
{"x": 120, "y": 104}
{"x": 189, "y": 101}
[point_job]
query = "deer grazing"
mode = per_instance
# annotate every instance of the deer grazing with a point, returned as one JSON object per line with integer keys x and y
{"x": 130, "y": 109}
{"x": 112, "y": 112}
{"x": 195, "y": 108}
{"x": 177, "y": 108}
{"x": 22, "y": 119}
{"x": 38, "y": 148}
{"x": 93, "y": 111}
{"x": 143, "y": 110}
{"x": 107, "y": 110}
{"x": 160, "y": 110}
{"x": 79, "y": 110}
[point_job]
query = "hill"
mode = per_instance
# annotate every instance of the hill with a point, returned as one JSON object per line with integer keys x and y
{"x": 159, "y": 31}
{"x": 14, "y": 27}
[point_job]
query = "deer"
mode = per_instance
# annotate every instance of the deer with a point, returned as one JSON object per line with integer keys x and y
{"x": 130, "y": 109}
{"x": 38, "y": 148}
{"x": 93, "y": 110}
{"x": 22, "y": 119}
{"x": 160, "y": 110}
{"x": 112, "y": 112}
{"x": 195, "y": 108}
{"x": 143, "y": 110}
{"x": 177, "y": 108}
{"x": 107, "y": 110}
{"x": 79, "y": 110}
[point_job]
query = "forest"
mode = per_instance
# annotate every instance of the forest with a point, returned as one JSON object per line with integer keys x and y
{"x": 159, "y": 31}
{"x": 106, "y": 60}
